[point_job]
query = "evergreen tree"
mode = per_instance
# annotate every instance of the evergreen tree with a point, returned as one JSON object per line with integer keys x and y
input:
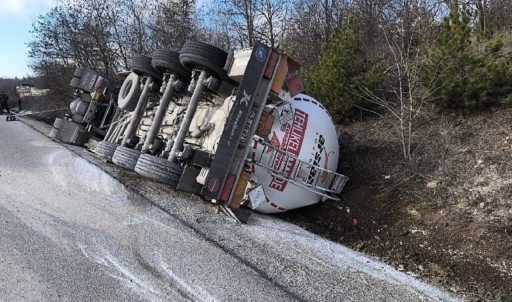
{"x": 341, "y": 71}
{"x": 469, "y": 74}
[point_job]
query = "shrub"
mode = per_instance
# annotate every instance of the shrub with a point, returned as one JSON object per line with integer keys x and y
{"x": 468, "y": 74}
{"x": 341, "y": 70}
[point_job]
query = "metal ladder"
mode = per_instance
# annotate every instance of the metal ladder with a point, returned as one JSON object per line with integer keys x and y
{"x": 303, "y": 174}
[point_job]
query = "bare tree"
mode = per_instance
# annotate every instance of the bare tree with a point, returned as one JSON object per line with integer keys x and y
{"x": 310, "y": 26}
{"x": 136, "y": 22}
{"x": 493, "y": 14}
{"x": 92, "y": 33}
{"x": 243, "y": 22}
{"x": 208, "y": 29}
{"x": 52, "y": 50}
{"x": 239, "y": 16}
{"x": 499, "y": 12}
{"x": 106, "y": 34}
{"x": 174, "y": 23}
{"x": 272, "y": 21}
{"x": 402, "y": 33}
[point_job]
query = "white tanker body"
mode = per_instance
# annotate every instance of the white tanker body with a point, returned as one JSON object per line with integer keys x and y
{"x": 293, "y": 156}
{"x": 307, "y": 136}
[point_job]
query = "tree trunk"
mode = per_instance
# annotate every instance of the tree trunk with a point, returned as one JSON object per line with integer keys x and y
{"x": 481, "y": 6}
{"x": 454, "y": 6}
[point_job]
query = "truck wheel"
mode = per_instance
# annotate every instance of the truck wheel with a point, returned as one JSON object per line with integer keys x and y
{"x": 53, "y": 133}
{"x": 57, "y": 123}
{"x": 159, "y": 169}
{"x": 129, "y": 93}
{"x": 75, "y": 82}
{"x": 141, "y": 64}
{"x": 126, "y": 157}
{"x": 169, "y": 60}
{"x": 202, "y": 55}
{"x": 105, "y": 149}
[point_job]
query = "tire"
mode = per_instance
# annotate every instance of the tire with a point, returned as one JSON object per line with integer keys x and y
{"x": 126, "y": 157}
{"x": 129, "y": 93}
{"x": 197, "y": 54}
{"x": 141, "y": 65}
{"x": 75, "y": 82}
{"x": 53, "y": 133}
{"x": 159, "y": 169}
{"x": 105, "y": 150}
{"x": 57, "y": 123}
{"x": 169, "y": 60}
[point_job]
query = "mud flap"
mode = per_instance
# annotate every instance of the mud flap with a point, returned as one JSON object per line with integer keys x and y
{"x": 188, "y": 181}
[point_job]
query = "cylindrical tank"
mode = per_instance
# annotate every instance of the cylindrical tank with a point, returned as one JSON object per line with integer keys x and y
{"x": 305, "y": 130}
{"x": 73, "y": 105}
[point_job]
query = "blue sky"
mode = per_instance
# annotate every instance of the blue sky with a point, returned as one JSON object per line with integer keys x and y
{"x": 16, "y": 17}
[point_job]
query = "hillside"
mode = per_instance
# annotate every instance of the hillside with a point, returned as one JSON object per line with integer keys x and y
{"x": 445, "y": 217}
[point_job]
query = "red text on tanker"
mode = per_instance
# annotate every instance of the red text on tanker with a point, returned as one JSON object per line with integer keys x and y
{"x": 292, "y": 143}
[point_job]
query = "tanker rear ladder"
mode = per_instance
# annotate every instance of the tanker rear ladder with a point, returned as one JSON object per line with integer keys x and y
{"x": 303, "y": 174}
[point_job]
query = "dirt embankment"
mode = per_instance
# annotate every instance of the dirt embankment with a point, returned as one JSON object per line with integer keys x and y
{"x": 446, "y": 216}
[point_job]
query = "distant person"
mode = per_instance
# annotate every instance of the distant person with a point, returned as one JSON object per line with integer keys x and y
{"x": 3, "y": 103}
{"x": 19, "y": 103}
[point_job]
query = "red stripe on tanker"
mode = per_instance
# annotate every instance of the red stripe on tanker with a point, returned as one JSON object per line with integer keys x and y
{"x": 292, "y": 142}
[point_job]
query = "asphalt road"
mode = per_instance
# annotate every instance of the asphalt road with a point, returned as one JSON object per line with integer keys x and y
{"x": 73, "y": 228}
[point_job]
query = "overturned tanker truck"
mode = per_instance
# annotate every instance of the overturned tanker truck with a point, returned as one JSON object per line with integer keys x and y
{"x": 233, "y": 127}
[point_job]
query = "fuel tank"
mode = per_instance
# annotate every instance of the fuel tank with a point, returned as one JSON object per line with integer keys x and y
{"x": 300, "y": 130}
